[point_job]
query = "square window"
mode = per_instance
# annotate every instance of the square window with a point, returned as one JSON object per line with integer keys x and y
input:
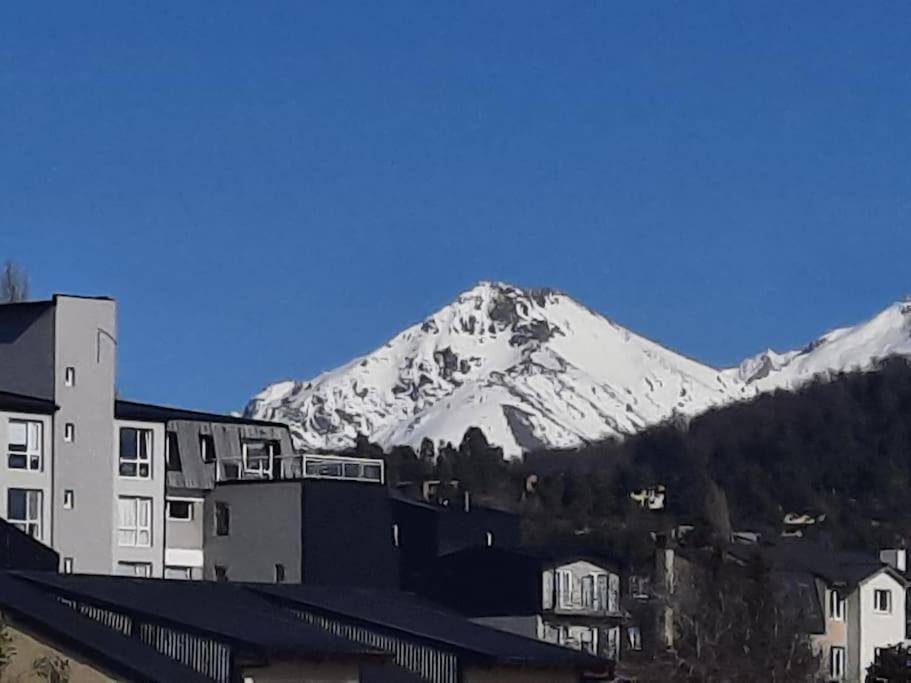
{"x": 23, "y": 510}
{"x": 882, "y": 601}
{"x": 222, "y": 519}
{"x": 180, "y": 510}
{"x": 24, "y": 445}
{"x": 69, "y": 376}
{"x": 69, "y": 432}
{"x": 68, "y": 499}
{"x": 135, "y": 522}
{"x": 135, "y": 453}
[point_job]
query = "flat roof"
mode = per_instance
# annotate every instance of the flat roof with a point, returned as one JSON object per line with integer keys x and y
{"x": 149, "y": 412}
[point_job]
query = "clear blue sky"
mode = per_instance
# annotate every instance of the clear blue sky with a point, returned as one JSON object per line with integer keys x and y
{"x": 269, "y": 188}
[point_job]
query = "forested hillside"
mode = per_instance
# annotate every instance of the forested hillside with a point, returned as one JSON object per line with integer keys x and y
{"x": 838, "y": 448}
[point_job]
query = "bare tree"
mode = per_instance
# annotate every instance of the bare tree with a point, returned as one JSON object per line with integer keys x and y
{"x": 13, "y": 283}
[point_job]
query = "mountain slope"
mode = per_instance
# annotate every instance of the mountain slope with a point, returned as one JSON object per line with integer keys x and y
{"x": 532, "y": 368}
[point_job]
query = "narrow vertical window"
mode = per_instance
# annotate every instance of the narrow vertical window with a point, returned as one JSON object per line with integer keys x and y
{"x": 172, "y": 452}
{"x": 222, "y": 519}
{"x": 69, "y": 376}
{"x": 68, "y": 499}
{"x": 207, "y": 447}
{"x": 67, "y": 565}
{"x": 69, "y": 432}
{"x": 279, "y": 573}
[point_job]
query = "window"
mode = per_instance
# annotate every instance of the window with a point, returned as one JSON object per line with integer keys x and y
{"x": 178, "y": 573}
{"x": 222, "y": 519}
{"x": 588, "y": 591}
{"x": 172, "y": 452}
{"x": 836, "y": 606}
{"x": 207, "y": 447}
{"x": 135, "y": 526}
{"x": 395, "y": 535}
{"x": 69, "y": 432}
{"x": 69, "y": 376}
{"x": 67, "y": 565}
{"x": 181, "y": 510}
{"x": 837, "y": 662}
{"x": 882, "y": 601}
{"x": 23, "y": 510}
{"x": 135, "y": 453}
{"x": 633, "y": 638}
{"x": 24, "y": 447}
{"x": 564, "y": 588}
{"x": 279, "y": 573}
{"x": 68, "y": 499}
{"x": 258, "y": 455}
{"x": 221, "y": 573}
{"x": 489, "y": 539}
{"x": 142, "y": 570}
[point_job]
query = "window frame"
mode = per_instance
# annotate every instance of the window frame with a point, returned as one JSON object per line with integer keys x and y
{"x": 146, "y": 566}
{"x": 138, "y": 461}
{"x": 877, "y": 592}
{"x": 33, "y": 453}
{"x": 183, "y": 501}
{"x": 69, "y": 432}
{"x": 137, "y": 529}
{"x": 837, "y": 661}
{"x": 564, "y": 580}
{"x": 187, "y": 571}
{"x": 222, "y": 514}
{"x": 172, "y": 452}
{"x": 836, "y": 605}
{"x": 69, "y": 376}
{"x": 29, "y": 523}
{"x": 207, "y": 448}
{"x": 69, "y": 499}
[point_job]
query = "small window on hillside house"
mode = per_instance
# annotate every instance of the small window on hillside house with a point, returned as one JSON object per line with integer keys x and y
{"x": 836, "y": 606}
{"x": 222, "y": 519}
{"x": 172, "y": 452}
{"x": 882, "y": 601}
{"x": 69, "y": 376}
{"x": 207, "y": 447}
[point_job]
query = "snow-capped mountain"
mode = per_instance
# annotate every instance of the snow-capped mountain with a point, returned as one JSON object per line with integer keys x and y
{"x": 534, "y": 368}
{"x": 530, "y": 367}
{"x": 847, "y": 348}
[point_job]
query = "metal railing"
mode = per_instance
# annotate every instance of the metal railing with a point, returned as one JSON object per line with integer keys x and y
{"x": 301, "y": 466}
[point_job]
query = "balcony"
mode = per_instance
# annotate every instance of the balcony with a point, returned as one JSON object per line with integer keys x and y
{"x": 267, "y": 465}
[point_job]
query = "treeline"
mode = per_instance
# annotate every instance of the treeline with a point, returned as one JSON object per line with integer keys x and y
{"x": 838, "y": 449}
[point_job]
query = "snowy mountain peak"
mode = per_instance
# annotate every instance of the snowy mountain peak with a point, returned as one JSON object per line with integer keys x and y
{"x": 534, "y": 368}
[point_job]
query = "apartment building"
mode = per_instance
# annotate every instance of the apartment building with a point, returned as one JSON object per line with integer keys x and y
{"x": 113, "y": 486}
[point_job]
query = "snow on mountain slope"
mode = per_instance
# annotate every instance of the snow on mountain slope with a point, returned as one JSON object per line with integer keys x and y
{"x": 848, "y": 348}
{"x": 534, "y": 368}
{"x": 530, "y": 367}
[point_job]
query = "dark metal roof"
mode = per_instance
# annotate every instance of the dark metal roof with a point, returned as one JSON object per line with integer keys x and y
{"x": 20, "y": 403}
{"x": 68, "y": 629}
{"x": 147, "y": 412}
{"x": 221, "y": 611}
{"x": 412, "y": 616}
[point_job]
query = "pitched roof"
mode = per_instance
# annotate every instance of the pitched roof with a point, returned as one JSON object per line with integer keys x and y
{"x": 412, "y": 616}
{"x": 148, "y": 412}
{"x": 107, "y": 648}
{"x": 20, "y": 403}
{"x": 221, "y": 611}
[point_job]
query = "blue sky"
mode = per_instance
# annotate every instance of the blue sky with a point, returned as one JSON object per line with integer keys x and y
{"x": 269, "y": 189}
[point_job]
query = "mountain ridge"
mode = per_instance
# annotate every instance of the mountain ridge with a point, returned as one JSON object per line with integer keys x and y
{"x": 534, "y": 368}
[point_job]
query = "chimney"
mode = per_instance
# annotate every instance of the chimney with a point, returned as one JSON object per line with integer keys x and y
{"x": 897, "y": 558}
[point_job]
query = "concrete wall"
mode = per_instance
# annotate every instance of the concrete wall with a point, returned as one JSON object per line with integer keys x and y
{"x": 152, "y": 488}
{"x": 28, "y": 479}
{"x": 265, "y": 530}
{"x": 85, "y": 338}
{"x": 291, "y": 671}
{"x": 29, "y": 647}
{"x": 876, "y": 629}
{"x": 27, "y": 348}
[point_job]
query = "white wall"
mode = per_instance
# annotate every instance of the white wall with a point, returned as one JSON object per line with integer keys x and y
{"x": 876, "y": 629}
{"x": 145, "y": 488}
